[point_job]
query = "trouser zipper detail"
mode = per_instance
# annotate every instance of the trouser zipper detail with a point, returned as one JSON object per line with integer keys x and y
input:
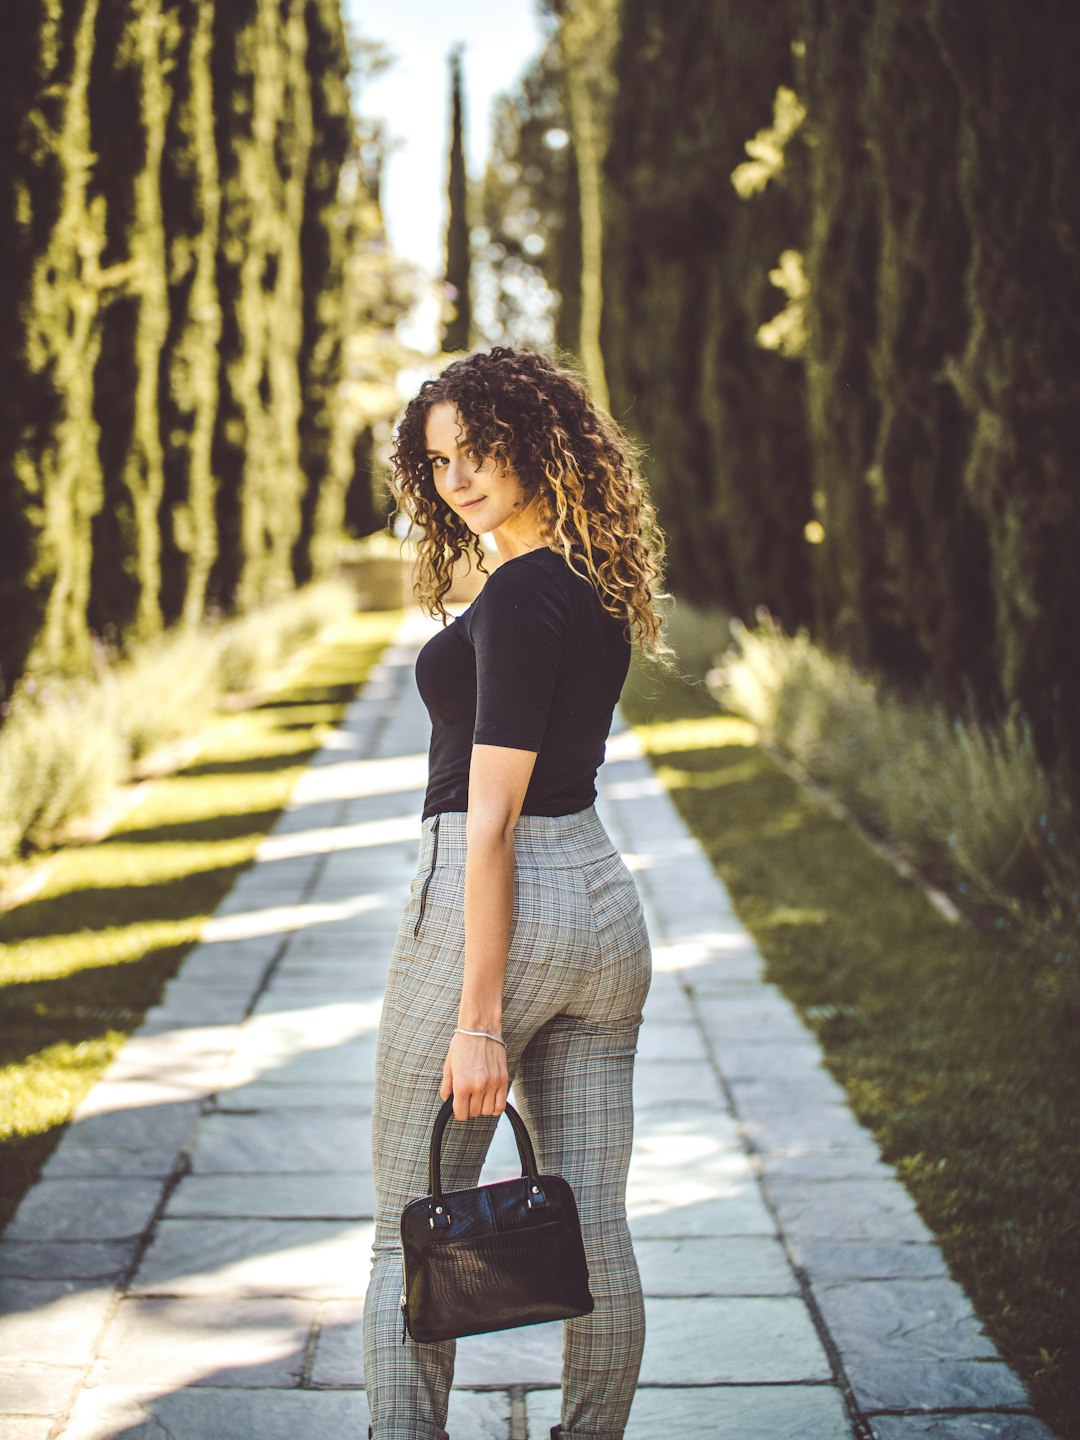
{"x": 431, "y": 872}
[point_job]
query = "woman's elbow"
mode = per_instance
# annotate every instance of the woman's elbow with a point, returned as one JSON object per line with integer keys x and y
{"x": 492, "y": 824}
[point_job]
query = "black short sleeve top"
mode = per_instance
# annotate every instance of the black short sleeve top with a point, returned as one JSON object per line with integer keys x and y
{"x": 534, "y": 663}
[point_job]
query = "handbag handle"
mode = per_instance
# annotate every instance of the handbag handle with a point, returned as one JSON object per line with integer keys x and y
{"x": 439, "y": 1216}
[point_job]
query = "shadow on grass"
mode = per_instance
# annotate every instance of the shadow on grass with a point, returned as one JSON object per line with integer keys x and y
{"x": 203, "y": 831}
{"x": 256, "y": 765}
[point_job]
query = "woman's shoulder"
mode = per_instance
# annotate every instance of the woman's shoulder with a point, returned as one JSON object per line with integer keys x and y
{"x": 545, "y": 568}
{"x": 526, "y": 575}
{"x": 526, "y": 595}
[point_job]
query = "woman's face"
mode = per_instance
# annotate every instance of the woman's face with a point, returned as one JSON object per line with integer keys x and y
{"x": 484, "y": 494}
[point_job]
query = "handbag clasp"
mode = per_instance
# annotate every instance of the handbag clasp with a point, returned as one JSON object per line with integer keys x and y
{"x": 536, "y": 1199}
{"x": 439, "y": 1217}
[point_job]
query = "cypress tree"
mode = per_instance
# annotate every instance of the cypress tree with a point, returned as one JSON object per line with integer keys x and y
{"x": 191, "y": 206}
{"x": 51, "y": 471}
{"x": 686, "y": 265}
{"x": 263, "y": 138}
{"x": 30, "y": 181}
{"x": 936, "y": 574}
{"x": 458, "y": 326}
{"x": 325, "y": 457}
{"x": 129, "y": 105}
{"x": 283, "y": 487}
{"x": 842, "y": 266}
{"x": 588, "y": 33}
{"x": 1018, "y": 372}
{"x": 172, "y": 265}
{"x": 530, "y": 193}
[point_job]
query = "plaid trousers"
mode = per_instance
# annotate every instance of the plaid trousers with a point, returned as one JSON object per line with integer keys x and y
{"x": 577, "y": 974}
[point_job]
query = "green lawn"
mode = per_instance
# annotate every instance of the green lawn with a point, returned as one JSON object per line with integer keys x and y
{"x": 91, "y": 951}
{"x": 971, "y": 1085}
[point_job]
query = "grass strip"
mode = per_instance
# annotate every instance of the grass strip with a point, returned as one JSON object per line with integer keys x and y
{"x": 969, "y": 1083}
{"x": 91, "y": 952}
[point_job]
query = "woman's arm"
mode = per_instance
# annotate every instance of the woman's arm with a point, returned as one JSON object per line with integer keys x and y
{"x": 475, "y": 1068}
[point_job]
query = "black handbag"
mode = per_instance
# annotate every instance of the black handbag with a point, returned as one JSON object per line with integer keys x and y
{"x": 493, "y": 1257}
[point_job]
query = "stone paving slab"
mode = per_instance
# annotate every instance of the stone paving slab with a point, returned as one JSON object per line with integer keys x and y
{"x": 57, "y": 1319}
{"x": 249, "y": 1257}
{"x": 251, "y": 1343}
{"x": 816, "y": 1165}
{"x": 736, "y": 1412}
{"x": 748, "y": 1340}
{"x": 26, "y": 1427}
{"x": 671, "y": 1042}
{"x": 85, "y": 1210}
{"x": 903, "y": 1320}
{"x": 868, "y": 1260}
{"x": 533, "y": 1353}
{"x": 103, "y": 1163}
{"x": 227, "y": 1147}
{"x": 133, "y": 1121}
{"x": 70, "y": 1260}
{"x": 103, "y": 1412}
{"x": 34, "y": 1389}
{"x": 761, "y": 1060}
{"x": 761, "y": 1095}
{"x": 959, "y": 1427}
{"x": 339, "y": 1348}
{"x": 715, "y": 1265}
{"x": 273, "y": 1197}
{"x": 827, "y": 1127}
{"x": 674, "y": 1081}
{"x": 322, "y": 1143}
{"x": 271, "y": 1093}
{"x": 932, "y": 1385}
{"x": 344, "y": 1064}
{"x": 848, "y": 1210}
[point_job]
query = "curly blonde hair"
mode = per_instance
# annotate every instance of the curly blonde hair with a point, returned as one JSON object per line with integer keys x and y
{"x": 521, "y": 410}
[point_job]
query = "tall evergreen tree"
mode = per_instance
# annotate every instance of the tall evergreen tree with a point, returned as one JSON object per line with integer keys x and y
{"x": 191, "y": 203}
{"x": 935, "y": 590}
{"x": 323, "y": 241}
{"x": 842, "y": 403}
{"x": 50, "y": 466}
{"x": 588, "y": 34}
{"x": 686, "y": 290}
{"x": 458, "y": 326}
{"x": 531, "y": 213}
{"x": 130, "y": 97}
{"x": 1018, "y": 372}
{"x": 172, "y": 273}
{"x": 31, "y": 63}
{"x": 264, "y": 138}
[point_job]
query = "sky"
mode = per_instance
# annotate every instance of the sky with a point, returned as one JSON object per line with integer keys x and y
{"x": 500, "y": 37}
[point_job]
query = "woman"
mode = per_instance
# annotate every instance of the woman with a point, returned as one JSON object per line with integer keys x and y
{"x": 522, "y": 955}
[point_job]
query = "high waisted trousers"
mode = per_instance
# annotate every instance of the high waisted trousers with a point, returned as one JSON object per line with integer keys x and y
{"x": 577, "y": 975}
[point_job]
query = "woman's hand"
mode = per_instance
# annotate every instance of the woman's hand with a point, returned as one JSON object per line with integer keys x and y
{"x": 476, "y": 1074}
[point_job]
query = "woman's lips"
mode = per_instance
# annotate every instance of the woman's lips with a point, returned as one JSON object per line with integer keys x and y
{"x": 468, "y": 504}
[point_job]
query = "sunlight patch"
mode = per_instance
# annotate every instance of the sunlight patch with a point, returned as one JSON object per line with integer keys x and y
{"x": 284, "y": 918}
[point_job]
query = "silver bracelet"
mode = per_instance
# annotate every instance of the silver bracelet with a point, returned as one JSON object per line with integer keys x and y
{"x": 483, "y": 1034}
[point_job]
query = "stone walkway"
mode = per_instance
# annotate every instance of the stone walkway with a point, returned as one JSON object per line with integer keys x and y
{"x": 192, "y": 1264}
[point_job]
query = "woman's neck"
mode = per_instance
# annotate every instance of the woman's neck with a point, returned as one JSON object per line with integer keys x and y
{"x": 520, "y": 534}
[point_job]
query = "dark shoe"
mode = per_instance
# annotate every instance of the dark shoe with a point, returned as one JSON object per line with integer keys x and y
{"x": 556, "y": 1432}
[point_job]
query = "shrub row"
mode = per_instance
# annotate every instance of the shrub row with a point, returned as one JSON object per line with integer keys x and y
{"x": 66, "y": 743}
{"x": 968, "y": 803}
